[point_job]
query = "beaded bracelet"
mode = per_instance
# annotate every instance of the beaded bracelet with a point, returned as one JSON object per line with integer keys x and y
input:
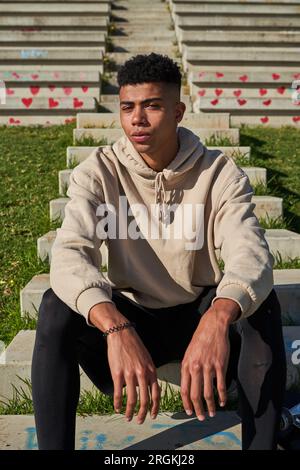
{"x": 120, "y": 327}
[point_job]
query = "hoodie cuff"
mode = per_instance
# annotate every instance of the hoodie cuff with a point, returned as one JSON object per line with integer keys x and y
{"x": 238, "y": 294}
{"x": 90, "y": 297}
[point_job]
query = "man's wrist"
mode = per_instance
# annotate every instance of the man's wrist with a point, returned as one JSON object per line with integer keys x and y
{"x": 105, "y": 316}
{"x": 227, "y": 310}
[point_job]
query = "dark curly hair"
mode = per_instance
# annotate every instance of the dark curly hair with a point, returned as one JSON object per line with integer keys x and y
{"x": 144, "y": 68}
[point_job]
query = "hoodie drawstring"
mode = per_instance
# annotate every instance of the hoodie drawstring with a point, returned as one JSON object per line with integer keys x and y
{"x": 160, "y": 195}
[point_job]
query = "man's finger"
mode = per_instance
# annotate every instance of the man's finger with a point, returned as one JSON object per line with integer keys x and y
{"x": 131, "y": 398}
{"x": 185, "y": 388}
{"x": 196, "y": 393}
{"x": 208, "y": 391}
{"x": 118, "y": 389}
{"x": 144, "y": 399}
{"x": 221, "y": 386}
{"x": 155, "y": 396}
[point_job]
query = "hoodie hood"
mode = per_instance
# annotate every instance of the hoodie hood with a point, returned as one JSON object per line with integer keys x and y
{"x": 190, "y": 150}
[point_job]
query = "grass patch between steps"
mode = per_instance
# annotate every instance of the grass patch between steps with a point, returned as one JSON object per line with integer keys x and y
{"x": 30, "y": 158}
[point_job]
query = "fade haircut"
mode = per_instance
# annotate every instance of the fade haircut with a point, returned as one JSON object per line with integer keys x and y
{"x": 144, "y": 68}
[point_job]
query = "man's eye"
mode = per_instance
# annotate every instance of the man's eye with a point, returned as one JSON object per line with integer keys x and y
{"x": 126, "y": 108}
{"x": 152, "y": 105}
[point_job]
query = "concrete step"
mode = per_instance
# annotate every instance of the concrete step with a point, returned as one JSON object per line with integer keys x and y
{"x": 168, "y": 431}
{"x": 232, "y": 75}
{"x": 266, "y": 121}
{"x": 33, "y": 119}
{"x": 256, "y": 175}
{"x": 195, "y": 56}
{"x": 271, "y": 2}
{"x": 51, "y": 53}
{"x": 265, "y": 206}
{"x": 242, "y": 91}
{"x": 45, "y": 243}
{"x": 285, "y": 242}
{"x": 56, "y": 8}
{"x": 255, "y": 38}
{"x": 52, "y": 103}
{"x": 58, "y": 21}
{"x": 100, "y": 120}
{"x": 111, "y": 135}
{"x": 286, "y": 282}
{"x": 120, "y": 57}
{"x": 53, "y": 90}
{"x": 77, "y": 154}
{"x": 242, "y": 22}
{"x": 243, "y": 105}
{"x": 197, "y": 9}
{"x": 139, "y": 17}
{"x": 61, "y": 37}
{"x": 128, "y": 31}
{"x": 49, "y": 74}
{"x": 167, "y": 49}
{"x": 16, "y": 364}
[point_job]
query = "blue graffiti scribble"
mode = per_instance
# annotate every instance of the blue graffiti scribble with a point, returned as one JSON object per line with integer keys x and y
{"x": 128, "y": 440}
{"x": 230, "y": 438}
{"x": 100, "y": 440}
{"x": 85, "y": 440}
{"x": 33, "y": 54}
{"x": 31, "y": 440}
{"x": 161, "y": 426}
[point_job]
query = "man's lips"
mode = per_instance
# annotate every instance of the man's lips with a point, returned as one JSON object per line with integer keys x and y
{"x": 140, "y": 137}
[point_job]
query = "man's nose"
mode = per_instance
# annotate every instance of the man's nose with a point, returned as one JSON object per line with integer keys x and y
{"x": 138, "y": 116}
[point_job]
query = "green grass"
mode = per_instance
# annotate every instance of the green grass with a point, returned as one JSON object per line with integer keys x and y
{"x": 29, "y": 162}
{"x": 278, "y": 150}
{"x": 90, "y": 142}
{"x": 215, "y": 140}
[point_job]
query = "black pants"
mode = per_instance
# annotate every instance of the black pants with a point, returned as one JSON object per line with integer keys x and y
{"x": 64, "y": 340}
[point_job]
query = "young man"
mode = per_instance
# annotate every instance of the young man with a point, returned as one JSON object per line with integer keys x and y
{"x": 162, "y": 203}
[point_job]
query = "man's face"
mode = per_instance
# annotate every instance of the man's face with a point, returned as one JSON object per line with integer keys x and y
{"x": 149, "y": 114}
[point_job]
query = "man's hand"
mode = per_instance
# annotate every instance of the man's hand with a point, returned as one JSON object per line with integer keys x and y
{"x": 207, "y": 357}
{"x": 130, "y": 364}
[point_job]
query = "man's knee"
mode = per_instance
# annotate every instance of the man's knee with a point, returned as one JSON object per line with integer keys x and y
{"x": 54, "y": 315}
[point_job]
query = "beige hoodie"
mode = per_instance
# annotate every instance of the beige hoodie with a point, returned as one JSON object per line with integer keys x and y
{"x": 154, "y": 270}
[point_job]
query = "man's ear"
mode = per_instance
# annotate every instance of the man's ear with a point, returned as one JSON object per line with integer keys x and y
{"x": 180, "y": 110}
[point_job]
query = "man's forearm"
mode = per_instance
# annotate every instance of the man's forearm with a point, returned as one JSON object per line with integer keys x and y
{"x": 227, "y": 310}
{"x": 105, "y": 315}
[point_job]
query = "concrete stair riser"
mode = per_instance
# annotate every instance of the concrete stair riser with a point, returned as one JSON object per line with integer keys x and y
{"x": 94, "y": 120}
{"x": 238, "y": 8}
{"x": 45, "y": 8}
{"x": 49, "y": 74}
{"x": 242, "y": 105}
{"x": 54, "y": 21}
{"x": 256, "y": 175}
{"x": 62, "y": 38}
{"x": 242, "y": 21}
{"x": 51, "y": 53}
{"x": 75, "y": 155}
{"x": 218, "y": 90}
{"x": 18, "y": 357}
{"x": 113, "y": 134}
{"x": 267, "y": 121}
{"x": 54, "y": 91}
{"x": 30, "y": 102}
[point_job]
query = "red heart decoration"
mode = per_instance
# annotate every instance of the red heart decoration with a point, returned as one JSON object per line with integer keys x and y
{"x": 297, "y": 75}
{"x": 53, "y": 103}
{"x": 67, "y": 90}
{"x": 267, "y": 102}
{"x": 85, "y": 89}
{"x": 9, "y": 91}
{"x": 218, "y": 91}
{"x": 275, "y": 76}
{"x": 281, "y": 90}
{"x": 263, "y": 91}
{"x": 16, "y": 75}
{"x": 56, "y": 75}
{"x": 243, "y": 78}
{"x": 34, "y": 77}
{"x": 296, "y": 118}
{"x": 214, "y": 102}
{"x": 201, "y": 92}
{"x": 27, "y": 102}
{"x": 241, "y": 102}
{"x": 264, "y": 120}
{"x": 237, "y": 93}
{"x": 77, "y": 103}
{"x": 14, "y": 121}
{"x": 34, "y": 90}
{"x": 51, "y": 87}
{"x": 67, "y": 121}
{"x": 219, "y": 74}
